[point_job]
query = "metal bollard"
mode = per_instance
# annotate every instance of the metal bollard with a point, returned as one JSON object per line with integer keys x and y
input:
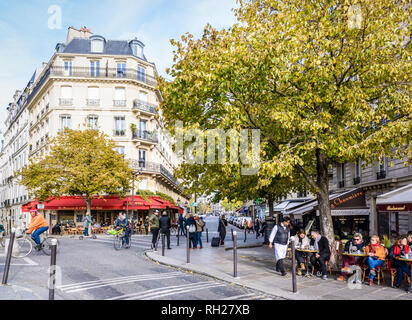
{"x": 235, "y": 254}
{"x": 232, "y": 233}
{"x": 163, "y": 244}
{"x": 8, "y": 258}
{"x": 245, "y": 236}
{"x": 52, "y": 281}
{"x": 187, "y": 245}
{"x": 207, "y": 235}
{"x": 292, "y": 243}
{"x": 178, "y": 235}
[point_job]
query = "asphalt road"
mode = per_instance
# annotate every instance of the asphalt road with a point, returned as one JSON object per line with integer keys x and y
{"x": 92, "y": 269}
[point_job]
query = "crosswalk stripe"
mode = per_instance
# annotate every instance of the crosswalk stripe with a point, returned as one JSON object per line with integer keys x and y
{"x": 111, "y": 283}
{"x": 165, "y": 290}
{"x": 100, "y": 281}
{"x": 183, "y": 291}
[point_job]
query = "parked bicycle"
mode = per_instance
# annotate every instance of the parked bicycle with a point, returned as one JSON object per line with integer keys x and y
{"x": 120, "y": 238}
{"x": 23, "y": 245}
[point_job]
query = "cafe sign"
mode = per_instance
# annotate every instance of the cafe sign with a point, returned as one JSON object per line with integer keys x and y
{"x": 395, "y": 207}
{"x": 354, "y": 199}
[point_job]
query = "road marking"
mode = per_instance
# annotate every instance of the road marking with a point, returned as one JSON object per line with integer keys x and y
{"x": 249, "y": 295}
{"x": 105, "y": 283}
{"x": 134, "y": 244}
{"x": 167, "y": 291}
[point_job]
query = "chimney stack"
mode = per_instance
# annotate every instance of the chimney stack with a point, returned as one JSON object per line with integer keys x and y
{"x": 84, "y": 33}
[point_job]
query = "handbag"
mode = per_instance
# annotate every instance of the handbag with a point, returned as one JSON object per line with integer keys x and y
{"x": 192, "y": 228}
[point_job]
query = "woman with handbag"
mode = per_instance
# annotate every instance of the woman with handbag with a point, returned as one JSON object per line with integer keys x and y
{"x": 191, "y": 223}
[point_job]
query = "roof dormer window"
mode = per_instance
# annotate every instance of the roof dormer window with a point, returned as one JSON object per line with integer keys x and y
{"x": 137, "y": 48}
{"x": 97, "y": 44}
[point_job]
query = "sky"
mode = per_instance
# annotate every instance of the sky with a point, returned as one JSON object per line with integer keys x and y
{"x": 26, "y": 39}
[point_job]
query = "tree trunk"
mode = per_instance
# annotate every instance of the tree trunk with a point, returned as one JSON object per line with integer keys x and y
{"x": 325, "y": 216}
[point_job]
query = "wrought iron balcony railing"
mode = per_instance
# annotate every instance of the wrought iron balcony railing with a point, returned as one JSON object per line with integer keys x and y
{"x": 341, "y": 184}
{"x": 144, "y": 106}
{"x": 119, "y": 103}
{"x": 152, "y": 167}
{"x": 93, "y": 102}
{"x": 66, "y": 102}
{"x": 104, "y": 73}
{"x": 356, "y": 180}
{"x": 119, "y": 132}
{"x": 145, "y": 135}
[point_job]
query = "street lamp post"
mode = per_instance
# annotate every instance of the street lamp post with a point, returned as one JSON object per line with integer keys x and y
{"x": 134, "y": 174}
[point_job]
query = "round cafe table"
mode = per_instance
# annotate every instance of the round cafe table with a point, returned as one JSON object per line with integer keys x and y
{"x": 307, "y": 259}
{"x": 409, "y": 289}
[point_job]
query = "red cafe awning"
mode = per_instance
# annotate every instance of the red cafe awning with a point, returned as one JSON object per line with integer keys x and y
{"x": 105, "y": 203}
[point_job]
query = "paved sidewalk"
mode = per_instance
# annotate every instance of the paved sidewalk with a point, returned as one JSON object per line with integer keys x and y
{"x": 256, "y": 271}
{"x": 15, "y": 291}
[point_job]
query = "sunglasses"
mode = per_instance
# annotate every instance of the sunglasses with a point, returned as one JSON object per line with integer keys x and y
{"x": 356, "y": 239}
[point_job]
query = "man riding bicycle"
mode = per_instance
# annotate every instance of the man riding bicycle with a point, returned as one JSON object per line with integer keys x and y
{"x": 37, "y": 226}
{"x": 123, "y": 223}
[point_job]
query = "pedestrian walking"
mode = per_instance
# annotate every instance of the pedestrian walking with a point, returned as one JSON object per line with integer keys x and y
{"x": 257, "y": 227}
{"x": 222, "y": 229}
{"x": 191, "y": 222}
{"x": 182, "y": 230}
{"x": 146, "y": 225}
{"x": 200, "y": 224}
{"x": 86, "y": 224}
{"x": 250, "y": 227}
{"x": 154, "y": 220}
{"x": 165, "y": 225}
{"x": 280, "y": 236}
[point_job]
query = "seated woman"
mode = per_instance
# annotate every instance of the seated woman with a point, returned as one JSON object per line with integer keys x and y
{"x": 376, "y": 257}
{"x": 399, "y": 249}
{"x": 300, "y": 240}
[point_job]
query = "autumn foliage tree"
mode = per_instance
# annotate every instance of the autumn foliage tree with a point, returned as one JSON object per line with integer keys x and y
{"x": 80, "y": 163}
{"x": 325, "y": 81}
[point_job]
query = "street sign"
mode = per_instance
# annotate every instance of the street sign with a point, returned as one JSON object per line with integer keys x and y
{"x": 194, "y": 204}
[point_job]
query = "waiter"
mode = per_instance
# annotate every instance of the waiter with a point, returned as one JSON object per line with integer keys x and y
{"x": 280, "y": 235}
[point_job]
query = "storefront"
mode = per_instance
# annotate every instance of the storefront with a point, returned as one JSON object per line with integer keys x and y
{"x": 348, "y": 210}
{"x": 395, "y": 211}
{"x": 70, "y": 211}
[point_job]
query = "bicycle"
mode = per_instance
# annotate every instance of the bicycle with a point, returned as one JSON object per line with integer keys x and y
{"x": 119, "y": 238}
{"x": 23, "y": 245}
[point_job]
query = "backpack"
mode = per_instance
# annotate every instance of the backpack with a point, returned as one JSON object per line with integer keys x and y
{"x": 192, "y": 228}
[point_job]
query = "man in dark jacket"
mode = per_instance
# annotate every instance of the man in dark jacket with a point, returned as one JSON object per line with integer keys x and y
{"x": 154, "y": 220}
{"x": 123, "y": 222}
{"x": 319, "y": 259}
{"x": 222, "y": 230}
{"x": 164, "y": 224}
{"x": 181, "y": 225}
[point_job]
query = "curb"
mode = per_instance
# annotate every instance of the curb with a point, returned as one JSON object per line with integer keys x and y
{"x": 283, "y": 295}
{"x": 246, "y": 247}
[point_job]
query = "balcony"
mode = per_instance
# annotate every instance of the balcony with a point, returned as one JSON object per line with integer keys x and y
{"x": 66, "y": 102}
{"x": 119, "y": 132}
{"x": 152, "y": 167}
{"x": 145, "y": 136}
{"x": 47, "y": 107}
{"x": 105, "y": 73}
{"x": 139, "y": 105}
{"x": 93, "y": 102}
{"x": 356, "y": 180}
{"x": 119, "y": 103}
{"x": 341, "y": 184}
{"x": 381, "y": 175}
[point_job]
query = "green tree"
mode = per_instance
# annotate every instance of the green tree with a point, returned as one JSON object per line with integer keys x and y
{"x": 80, "y": 163}
{"x": 324, "y": 81}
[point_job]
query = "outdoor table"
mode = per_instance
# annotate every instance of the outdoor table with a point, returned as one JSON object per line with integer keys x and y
{"x": 307, "y": 259}
{"x": 409, "y": 289}
{"x": 354, "y": 254}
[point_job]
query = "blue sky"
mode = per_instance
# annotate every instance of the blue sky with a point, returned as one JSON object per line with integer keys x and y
{"x": 26, "y": 41}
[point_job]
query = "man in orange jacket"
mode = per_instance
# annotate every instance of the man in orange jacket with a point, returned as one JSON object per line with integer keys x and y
{"x": 37, "y": 226}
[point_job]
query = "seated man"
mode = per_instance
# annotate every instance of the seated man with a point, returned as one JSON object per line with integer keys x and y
{"x": 318, "y": 260}
{"x": 37, "y": 226}
{"x": 353, "y": 245}
{"x": 122, "y": 222}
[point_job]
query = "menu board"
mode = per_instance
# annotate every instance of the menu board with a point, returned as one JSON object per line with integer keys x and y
{"x": 308, "y": 226}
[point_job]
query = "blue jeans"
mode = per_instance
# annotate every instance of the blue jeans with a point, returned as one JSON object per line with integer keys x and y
{"x": 35, "y": 235}
{"x": 86, "y": 232}
{"x": 192, "y": 239}
{"x": 199, "y": 238}
{"x": 372, "y": 263}
{"x": 401, "y": 267}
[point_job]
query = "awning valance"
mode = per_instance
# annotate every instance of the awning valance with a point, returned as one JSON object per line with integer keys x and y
{"x": 396, "y": 200}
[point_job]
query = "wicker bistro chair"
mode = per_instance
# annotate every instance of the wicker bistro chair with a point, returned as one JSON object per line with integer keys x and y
{"x": 379, "y": 271}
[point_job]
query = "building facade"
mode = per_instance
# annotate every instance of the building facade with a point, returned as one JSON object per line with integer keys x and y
{"x": 92, "y": 82}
